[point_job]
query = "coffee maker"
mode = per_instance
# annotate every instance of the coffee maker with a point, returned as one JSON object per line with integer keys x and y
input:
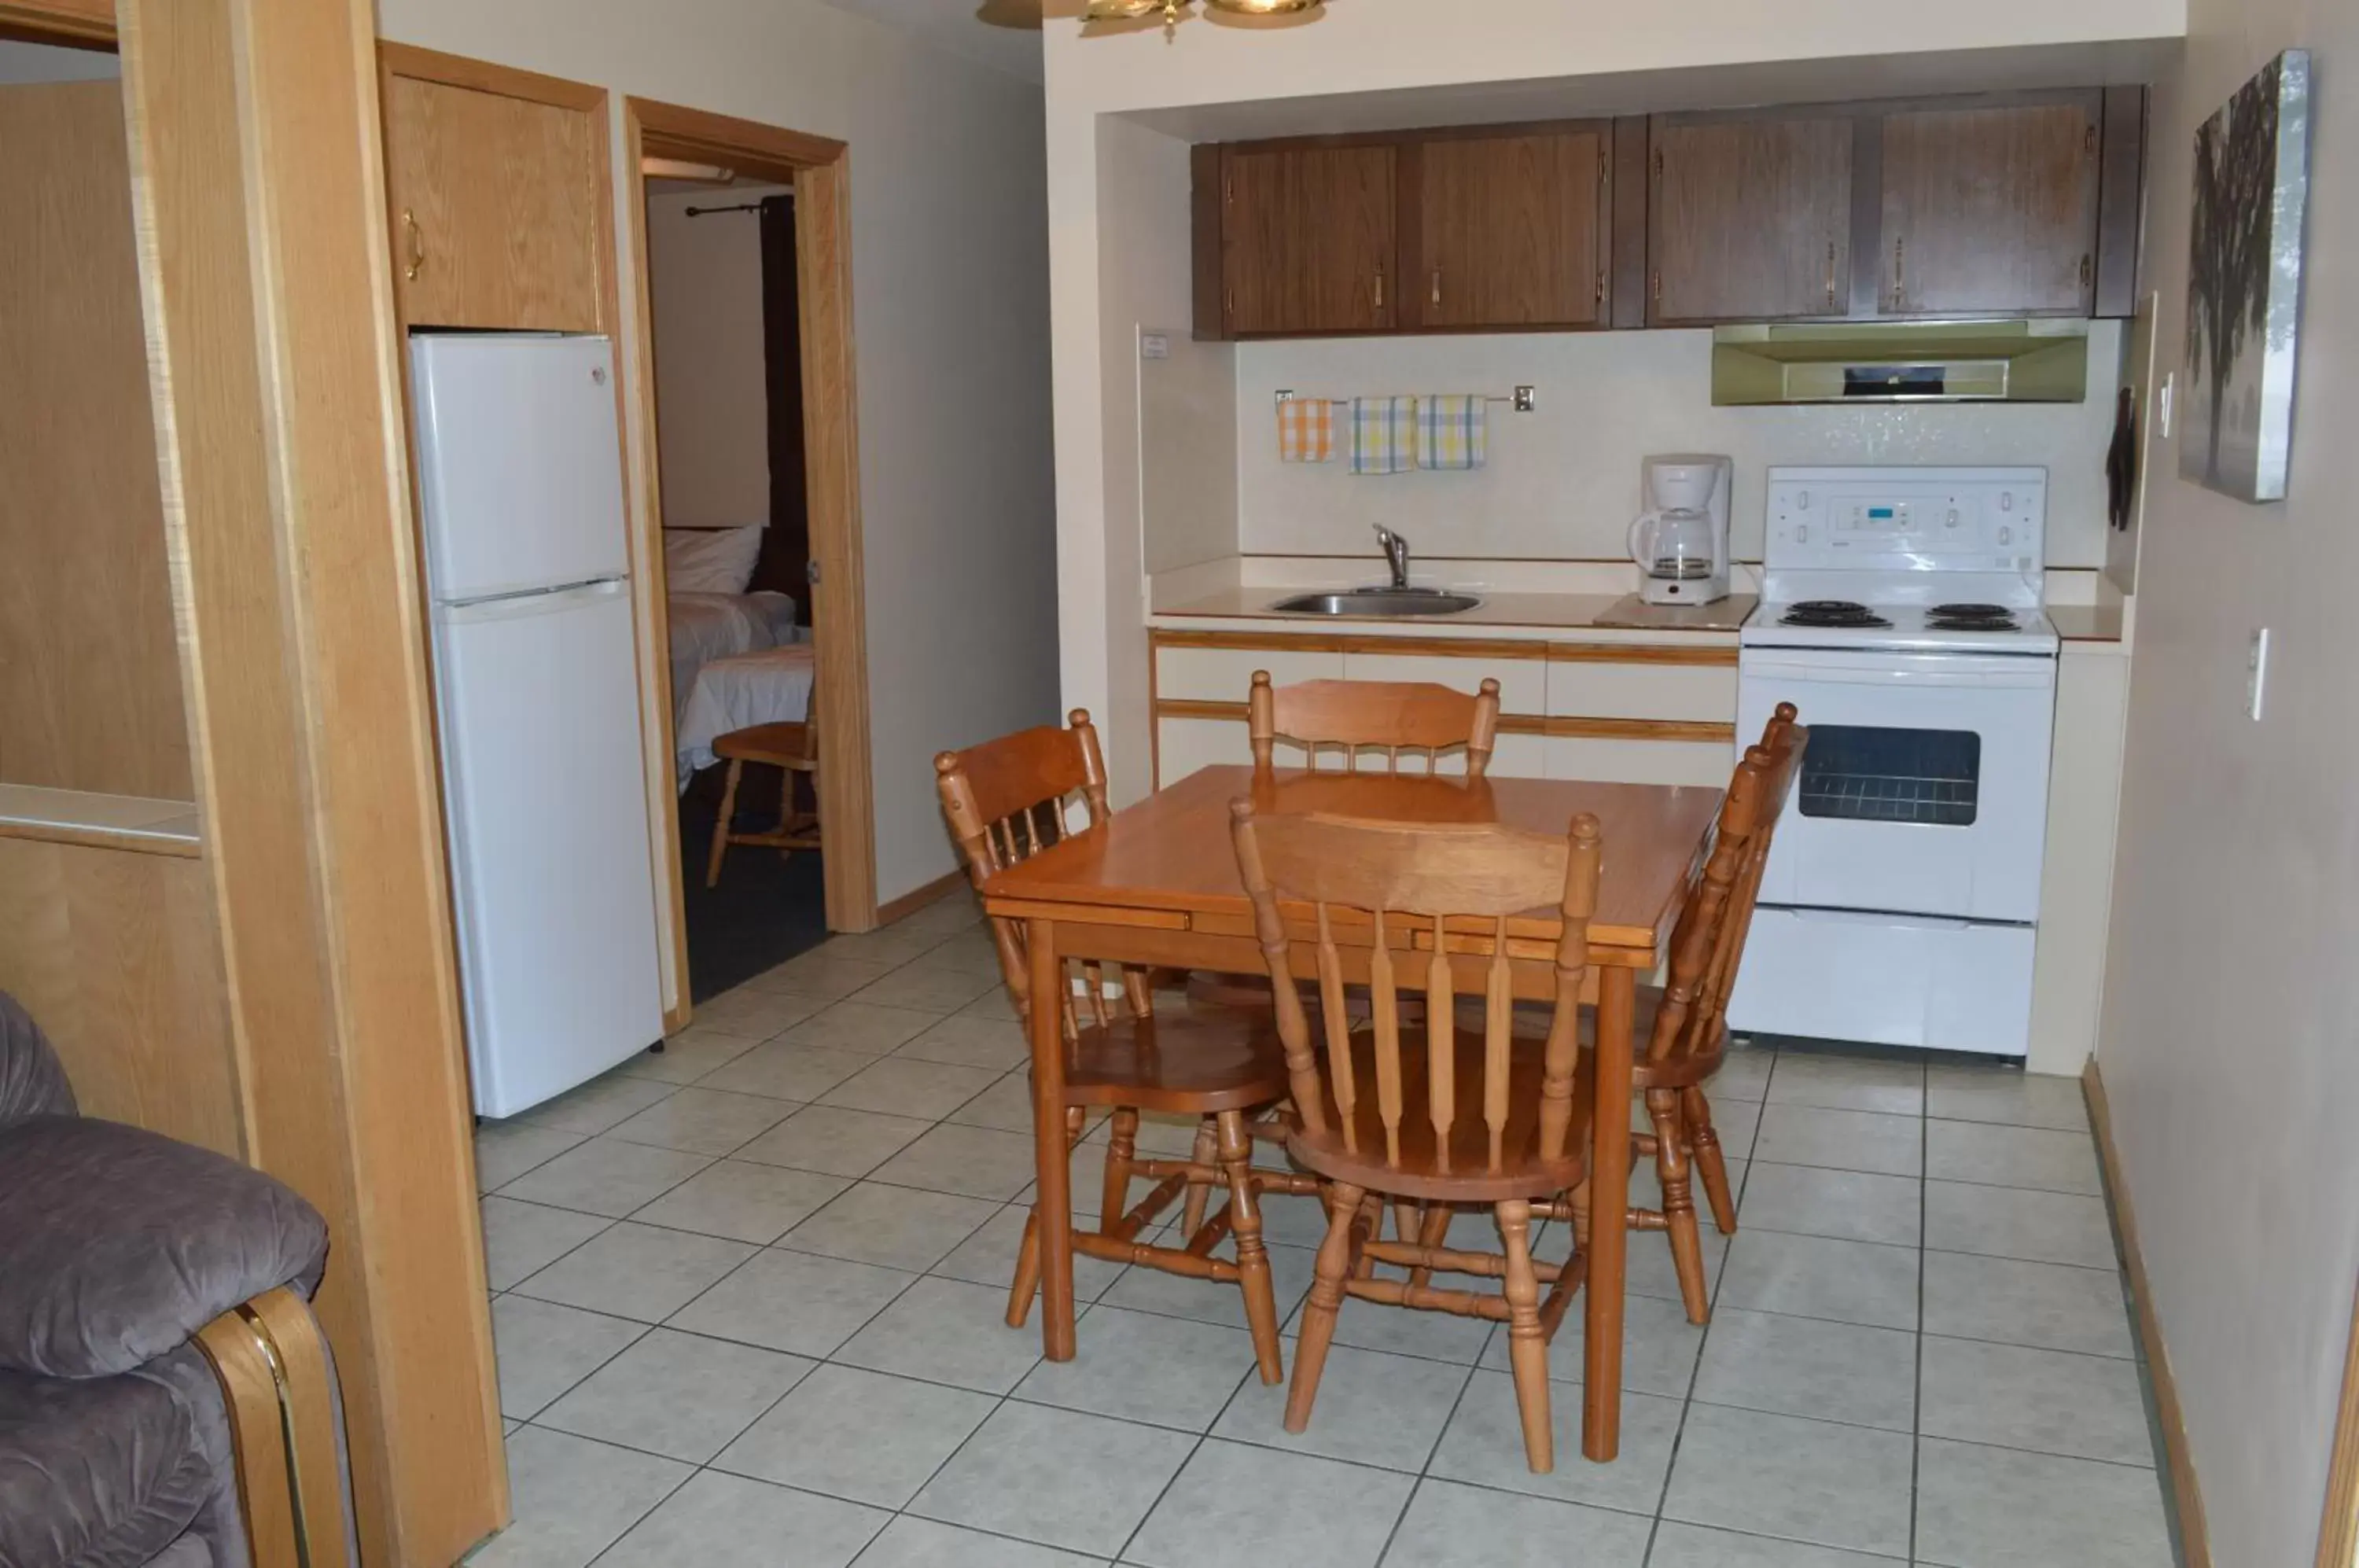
{"x": 1681, "y": 544}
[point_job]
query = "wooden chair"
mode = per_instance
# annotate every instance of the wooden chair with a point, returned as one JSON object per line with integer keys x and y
{"x": 1402, "y": 1113}
{"x": 1417, "y": 717}
{"x": 793, "y": 747}
{"x": 1006, "y": 801}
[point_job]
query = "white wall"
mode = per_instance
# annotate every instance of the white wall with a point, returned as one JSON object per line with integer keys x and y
{"x": 2227, "y": 1045}
{"x": 712, "y": 405}
{"x": 1562, "y": 481}
{"x": 949, "y": 279}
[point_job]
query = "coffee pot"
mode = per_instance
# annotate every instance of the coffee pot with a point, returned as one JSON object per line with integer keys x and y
{"x": 1681, "y": 545}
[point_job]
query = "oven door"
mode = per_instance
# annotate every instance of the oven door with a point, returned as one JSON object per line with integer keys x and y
{"x": 1925, "y": 788}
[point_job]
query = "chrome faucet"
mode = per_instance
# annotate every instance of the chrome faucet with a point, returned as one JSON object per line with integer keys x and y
{"x": 1395, "y": 556}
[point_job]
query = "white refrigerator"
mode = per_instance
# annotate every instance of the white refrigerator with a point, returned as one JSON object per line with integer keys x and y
{"x": 537, "y": 704}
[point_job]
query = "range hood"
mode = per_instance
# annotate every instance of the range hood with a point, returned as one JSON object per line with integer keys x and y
{"x": 2044, "y": 361}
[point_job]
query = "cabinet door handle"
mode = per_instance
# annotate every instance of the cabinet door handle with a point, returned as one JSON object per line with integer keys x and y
{"x": 1380, "y": 288}
{"x": 1900, "y": 274}
{"x": 416, "y": 245}
{"x": 1831, "y": 275}
{"x": 1437, "y": 288}
{"x": 2087, "y": 269}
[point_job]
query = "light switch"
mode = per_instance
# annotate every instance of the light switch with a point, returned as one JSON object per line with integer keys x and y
{"x": 2257, "y": 675}
{"x": 1154, "y": 346}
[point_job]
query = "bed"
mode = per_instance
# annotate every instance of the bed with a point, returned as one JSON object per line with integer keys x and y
{"x": 771, "y": 686}
{"x": 706, "y": 626}
{"x": 738, "y": 657}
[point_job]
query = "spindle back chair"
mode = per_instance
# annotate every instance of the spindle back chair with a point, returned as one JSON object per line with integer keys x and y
{"x": 1392, "y": 717}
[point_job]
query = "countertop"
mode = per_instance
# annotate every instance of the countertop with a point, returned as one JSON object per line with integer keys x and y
{"x": 2087, "y": 623}
{"x": 1543, "y": 611}
{"x": 101, "y": 822}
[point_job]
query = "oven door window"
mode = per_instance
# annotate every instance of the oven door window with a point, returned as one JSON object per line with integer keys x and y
{"x": 1863, "y": 773}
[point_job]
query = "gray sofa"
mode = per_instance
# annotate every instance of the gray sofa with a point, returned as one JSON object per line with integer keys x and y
{"x": 121, "y": 1252}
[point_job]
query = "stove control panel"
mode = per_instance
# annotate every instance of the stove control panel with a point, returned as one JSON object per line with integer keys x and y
{"x": 1953, "y": 520}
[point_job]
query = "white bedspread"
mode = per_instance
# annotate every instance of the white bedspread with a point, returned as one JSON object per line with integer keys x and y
{"x": 772, "y": 686}
{"x": 706, "y": 626}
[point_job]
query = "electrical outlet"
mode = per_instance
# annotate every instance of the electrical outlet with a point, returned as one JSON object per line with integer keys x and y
{"x": 1154, "y": 346}
{"x": 2257, "y": 675}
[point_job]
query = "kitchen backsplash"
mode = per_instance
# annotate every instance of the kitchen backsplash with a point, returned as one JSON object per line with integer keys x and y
{"x": 1562, "y": 481}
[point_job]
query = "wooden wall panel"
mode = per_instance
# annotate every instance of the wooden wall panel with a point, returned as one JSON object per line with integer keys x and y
{"x": 90, "y": 681}
{"x": 116, "y": 954}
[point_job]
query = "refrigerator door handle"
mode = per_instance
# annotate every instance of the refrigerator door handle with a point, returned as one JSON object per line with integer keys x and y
{"x": 516, "y": 606}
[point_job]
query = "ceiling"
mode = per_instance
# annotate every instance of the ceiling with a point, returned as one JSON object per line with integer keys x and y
{"x": 1002, "y": 34}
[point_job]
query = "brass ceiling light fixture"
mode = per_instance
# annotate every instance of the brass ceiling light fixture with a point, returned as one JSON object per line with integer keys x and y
{"x": 1174, "y": 12}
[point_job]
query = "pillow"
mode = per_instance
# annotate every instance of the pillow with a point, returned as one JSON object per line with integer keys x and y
{"x": 711, "y": 561}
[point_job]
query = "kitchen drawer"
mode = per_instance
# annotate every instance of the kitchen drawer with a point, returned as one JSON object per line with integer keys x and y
{"x": 1519, "y": 756}
{"x": 1183, "y": 746}
{"x": 1582, "y": 689}
{"x": 1641, "y": 761}
{"x": 1226, "y": 674}
{"x": 1523, "y": 683}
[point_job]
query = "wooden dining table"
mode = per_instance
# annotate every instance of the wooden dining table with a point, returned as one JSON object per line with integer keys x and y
{"x": 1157, "y": 884}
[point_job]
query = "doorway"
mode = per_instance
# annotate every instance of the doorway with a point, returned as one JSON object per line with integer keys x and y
{"x": 760, "y": 430}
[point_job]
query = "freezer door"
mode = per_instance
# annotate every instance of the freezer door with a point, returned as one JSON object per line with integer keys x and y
{"x": 519, "y": 468}
{"x": 546, "y": 799}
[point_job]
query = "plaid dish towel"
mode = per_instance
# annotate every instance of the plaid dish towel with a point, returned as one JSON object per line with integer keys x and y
{"x": 1306, "y": 429}
{"x": 1453, "y": 430}
{"x": 1384, "y": 435}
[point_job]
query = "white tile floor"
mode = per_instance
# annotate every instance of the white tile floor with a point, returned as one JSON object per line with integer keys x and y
{"x": 749, "y": 1296}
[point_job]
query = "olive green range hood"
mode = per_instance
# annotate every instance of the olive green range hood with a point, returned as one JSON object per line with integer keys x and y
{"x": 2023, "y": 361}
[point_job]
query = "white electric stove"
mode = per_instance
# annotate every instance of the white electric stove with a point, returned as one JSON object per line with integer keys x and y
{"x": 1901, "y": 616}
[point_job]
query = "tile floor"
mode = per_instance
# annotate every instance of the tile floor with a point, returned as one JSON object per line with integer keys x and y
{"x": 748, "y": 1298}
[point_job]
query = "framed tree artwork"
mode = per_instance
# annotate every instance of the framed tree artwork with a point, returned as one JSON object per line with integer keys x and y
{"x": 2244, "y": 283}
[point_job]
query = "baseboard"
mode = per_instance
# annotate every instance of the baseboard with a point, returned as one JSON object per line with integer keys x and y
{"x": 910, "y": 903}
{"x": 2186, "y": 1496}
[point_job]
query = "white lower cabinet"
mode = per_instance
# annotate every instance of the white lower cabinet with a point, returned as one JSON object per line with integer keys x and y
{"x": 1618, "y": 761}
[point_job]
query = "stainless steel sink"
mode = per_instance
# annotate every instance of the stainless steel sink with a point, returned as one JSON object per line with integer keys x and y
{"x": 1379, "y": 602}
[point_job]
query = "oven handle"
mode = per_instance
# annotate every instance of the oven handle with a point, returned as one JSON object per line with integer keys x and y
{"x": 2040, "y": 675}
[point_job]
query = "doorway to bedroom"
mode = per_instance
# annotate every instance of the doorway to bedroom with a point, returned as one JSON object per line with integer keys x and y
{"x": 746, "y": 424}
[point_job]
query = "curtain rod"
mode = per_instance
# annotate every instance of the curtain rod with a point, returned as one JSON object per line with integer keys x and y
{"x": 740, "y": 207}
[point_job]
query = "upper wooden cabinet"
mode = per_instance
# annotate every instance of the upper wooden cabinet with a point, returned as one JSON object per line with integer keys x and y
{"x": 1990, "y": 209}
{"x": 1751, "y": 219}
{"x": 1508, "y": 231}
{"x": 1307, "y": 240}
{"x": 499, "y": 210}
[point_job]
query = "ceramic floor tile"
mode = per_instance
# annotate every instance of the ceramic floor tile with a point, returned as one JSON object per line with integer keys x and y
{"x": 991, "y": 1044}
{"x": 1737, "y": 1120}
{"x": 1405, "y": 1331}
{"x": 1994, "y": 1507}
{"x": 750, "y": 1010}
{"x": 606, "y": 1176}
{"x": 862, "y": 1435}
{"x": 900, "y": 1086}
{"x": 703, "y": 1121}
{"x": 1804, "y": 1367}
{"x": 1841, "y": 1140}
{"x": 1057, "y": 1478}
{"x": 1006, "y": 1106}
{"x": 1175, "y": 1295}
{"x": 910, "y": 1543}
{"x": 2002, "y": 1222}
{"x": 1454, "y": 1526}
{"x": 1853, "y": 1205}
{"x": 1744, "y": 1070}
{"x": 1372, "y": 1409}
{"x": 1137, "y": 1366}
{"x": 787, "y": 1070}
{"x": 1294, "y": 1509}
{"x": 1485, "y": 1445}
{"x": 2012, "y": 1157}
{"x": 1659, "y": 1347}
{"x": 794, "y": 1301}
{"x": 506, "y": 1150}
{"x": 1813, "y": 1276}
{"x": 519, "y": 1239}
{"x": 2006, "y": 1094}
{"x": 896, "y": 1227}
{"x": 1692, "y": 1546}
{"x": 741, "y": 1200}
{"x": 971, "y": 948}
{"x": 639, "y": 1271}
{"x": 727, "y": 1522}
{"x": 834, "y": 1141}
{"x": 926, "y": 989}
{"x": 862, "y": 1027}
{"x": 597, "y": 1104}
{"x": 947, "y": 1331}
{"x": 1652, "y": 1273}
{"x": 690, "y": 1056}
{"x": 2053, "y": 1401}
{"x": 995, "y": 1004}
{"x": 973, "y": 1162}
{"x": 543, "y": 1349}
{"x": 573, "y": 1497}
{"x": 1892, "y": 1084}
{"x": 2051, "y": 1305}
{"x": 679, "y": 1395}
{"x": 820, "y": 975}
{"x": 1802, "y": 1480}
{"x": 988, "y": 1257}
{"x": 894, "y": 944}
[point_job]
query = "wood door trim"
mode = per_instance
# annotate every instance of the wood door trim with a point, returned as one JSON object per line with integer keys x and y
{"x": 488, "y": 76}
{"x": 1723, "y": 655}
{"x": 39, "y": 21}
{"x": 819, "y": 168}
{"x": 2186, "y": 1495}
{"x": 2338, "y": 1532}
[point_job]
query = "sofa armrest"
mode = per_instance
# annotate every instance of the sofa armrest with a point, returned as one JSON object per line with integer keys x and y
{"x": 117, "y": 1245}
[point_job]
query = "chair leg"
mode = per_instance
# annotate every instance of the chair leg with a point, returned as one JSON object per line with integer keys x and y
{"x": 1334, "y": 1268}
{"x": 1679, "y": 1202}
{"x": 1371, "y": 1228}
{"x": 786, "y": 810}
{"x": 1253, "y": 1258}
{"x": 1526, "y": 1340}
{"x": 1709, "y": 1162}
{"x": 1027, "y": 1274}
{"x": 1432, "y": 1231}
{"x": 1200, "y": 1193}
{"x": 1121, "y": 1149}
{"x": 721, "y": 828}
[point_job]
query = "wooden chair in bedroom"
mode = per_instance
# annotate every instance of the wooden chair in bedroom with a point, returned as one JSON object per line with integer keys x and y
{"x": 1006, "y": 801}
{"x": 791, "y": 748}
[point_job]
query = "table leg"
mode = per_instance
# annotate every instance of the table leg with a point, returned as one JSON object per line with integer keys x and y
{"x": 1053, "y": 1204}
{"x": 1609, "y": 1209}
